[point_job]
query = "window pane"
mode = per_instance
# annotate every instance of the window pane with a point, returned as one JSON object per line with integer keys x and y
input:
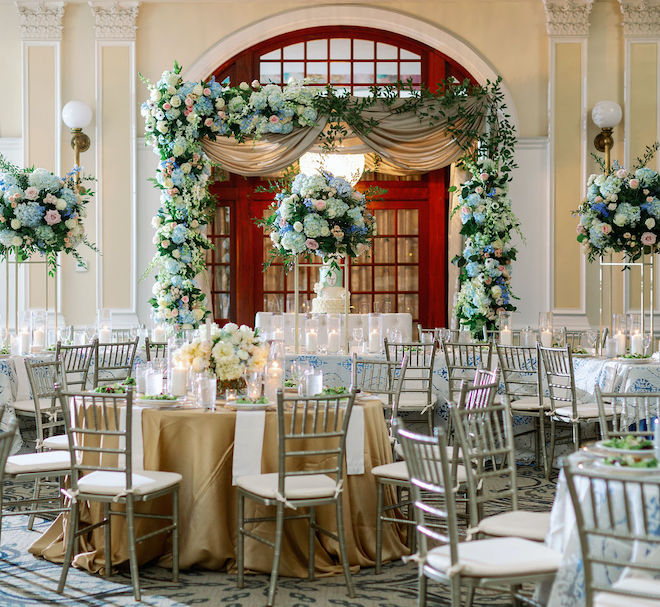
{"x": 387, "y": 72}
{"x": 269, "y": 72}
{"x": 408, "y": 223}
{"x": 294, "y": 51}
{"x": 383, "y": 303}
{"x": 363, "y": 49}
{"x": 361, "y": 91}
{"x": 384, "y": 279}
{"x": 294, "y": 70}
{"x": 340, "y": 48}
{"x": 409, "y": 304}
{"x": 361, "y": 279}
{"x": 383, "y": 250}
{"x": 276, "y": 54}
{"x": 274, "y": 279}
{"x": 407, "y": 250}
{"x": 221, "y": 305}
{"x": 358, "y": 300}
{"x": 317, "y": 49}
{"x": 317, "y": 71}
{"x": 221, "y": 278}
{"x": 222, "y": 250}
{"x": 412, "y": 71}
{"x": 385, "y": 221}
{"x": 363, "y": 72}
{"x": 408, "y": 55}
{"x": 340, "y": 72}
{"x": 408, "y": 278}
{"x": 273, "y": 302}
{"x": 386, "y": 51}
{"x": 221, "y": 220}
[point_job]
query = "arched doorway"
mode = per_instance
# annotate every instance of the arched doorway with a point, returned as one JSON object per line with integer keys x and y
{"x": 406, "y": 271}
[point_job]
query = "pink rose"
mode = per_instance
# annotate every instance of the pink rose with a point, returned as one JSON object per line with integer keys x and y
{"x": 648, "y": 238}
{"x": 310, "y": 243}
{"x": 484, "y": 176}
{"x": 598, "y": 199}
{"x": 32, "y": 193}
{"x": 50, "y": 199}
{"x": 282, "y": 222}
{"x": 607, "y": 228}
{"x": 52, "y": 217}
{"x": 207, "y": 91}
{"x": 196, "y": 157}
{"x": 189, "y": 101}
{"x": 274, "y": 119}
{"x": 649, "y": 199}
{"x": 221, "y": 114}
{"x": 501, "y": 268}
{"x": 14, "y": 197}
{"x": 479, "y": 190}
{"x": 488, "y": 280}
{"x": 626, "y": 235}
{"x": 634, "y": 184}
{"x": 186, "y": 112}
{"x": 498, "y": 252}
{"x": 646, "y": 192}
{"x": 621, "y": 173}
{"x": 184, "y": 299}
{"x": 319, "y": 205}
{"x": 208, "y": 122}
{"x": 580, "y": 229}
{"x": 166, "y": 106}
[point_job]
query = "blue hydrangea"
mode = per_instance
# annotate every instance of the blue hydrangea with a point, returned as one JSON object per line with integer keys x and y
{"x": 314, "y": 224}
{"x": 204, "y": 106}
{"x": 30, "y": 214}
{"x": 293, "y": 241}
{"x": 335, "y": 208}
{"x": 645, "y": 176}
{"x": 479, "y": 217}
{"x": 259, "y": 100}
{"x": 343, "y": 188}
{"x": 473, "y": 200}
{"x": 356, "y": 216}
{"x": 44, "y": 180}
{"x": 236, "y": 105}
{"x": 7, "y": 180}
{"x": 652, "y": 208}
{"x": 7, "y": 237}
{"x": 45, "y": 233}
{"x": 177, "y": 177}
{"x": 473, "y": 268}
{"x": 179, "y": 234}
{"x": 69, "y": 195}
{"x": 309, "y": 115}
{"x": 173, "y": 266}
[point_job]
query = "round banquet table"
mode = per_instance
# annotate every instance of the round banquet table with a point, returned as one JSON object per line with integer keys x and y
{"x": 198, "y": 445}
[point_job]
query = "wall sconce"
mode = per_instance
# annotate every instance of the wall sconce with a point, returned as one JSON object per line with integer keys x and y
{"x": 77, "y": 115}
{"x": 606, "y": 115}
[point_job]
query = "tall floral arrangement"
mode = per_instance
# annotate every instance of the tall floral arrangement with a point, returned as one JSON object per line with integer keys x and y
{"x": 621, "y": 212}
{"x": 488, "y": 225}
{"x": 41, "y": 213}
{"x": 178, "y": 115}
{"x": 319, "y": 215}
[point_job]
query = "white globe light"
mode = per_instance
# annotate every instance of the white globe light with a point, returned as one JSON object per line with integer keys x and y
{"x": 348, "y": 166}
{"x": 606, "y": 114}
{"x": 76, "y": 114}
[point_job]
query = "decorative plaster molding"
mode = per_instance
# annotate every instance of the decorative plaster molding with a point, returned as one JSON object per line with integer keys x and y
{"x": 115, "y": 20}
{"x": 567, "y": 18}
{"x": 40, "y": 20}
{"x": 641, "y": 18}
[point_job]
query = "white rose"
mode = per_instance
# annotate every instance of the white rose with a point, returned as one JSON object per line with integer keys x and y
{"x": 156, "y": 221}
{"x": 155, "y": 289}
{"x": 191, "y": 117}
{"x": 60, "y": 205}
{"x": 15, "y": 224}
{"x": 197, "y": 313}
{"x": 220, "y": 103}
{"x": 198, "y": 364}
{"x": 155, "y": 95}
{"x": 650, "y": 222}
{"x": 17, "y": 241}
{"x": 161, "y": 126}
{"x": 275, "y": 237}
{"x": 155, "y": 239}
{"x": 198, "y": 90}
{"x": 171, "y": 90}
{"x": 71, "y": 223}
{"x": 611, "y": 206}
{"x": 298, "y": 227}
{"x": 194, "y": 223}
{"x": 176, "y": 254}
{"x": 620, "y": 219}
{"x": 178, "y": 149}
{"x": 168, "y": 183}
{"x": 244, "y": 86}
{"x": 165, "y": 243}
{"x": 185, "y": 167}
{"x": 243, "y": 355}
{"x": 231, "y": 327}
{"x": 175, "y": 101}
{"x": 256, "y": 84}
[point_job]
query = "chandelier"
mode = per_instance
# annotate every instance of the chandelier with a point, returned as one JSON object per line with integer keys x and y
{"x": 348, "y": 166}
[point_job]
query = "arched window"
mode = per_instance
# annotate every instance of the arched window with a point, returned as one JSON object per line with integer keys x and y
{"x": 406, "y": 269}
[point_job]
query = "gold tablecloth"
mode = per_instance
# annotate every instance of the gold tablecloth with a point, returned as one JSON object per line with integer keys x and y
{"x": 199, "y": 445}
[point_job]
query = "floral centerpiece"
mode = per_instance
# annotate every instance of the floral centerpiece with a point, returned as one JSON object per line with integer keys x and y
{"x": 485, "y": 262}
{"x": 319, "y": 215}
{"x": 231, "y": 352}
{"x": 621, "y": 213}
{"x": 41, "y": 213}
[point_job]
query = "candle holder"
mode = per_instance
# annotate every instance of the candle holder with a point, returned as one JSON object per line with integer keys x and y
{"x": 504, "y": 324}
{"x": 375, "y": 335}
{"x": 619, "y": 331}
{"x": 333, "y": 325}
{"x": 312, "y": 326}
{"x": 636, "y": 338}
{"x": 39, "y": 329}
{"x": 545, "y": 329}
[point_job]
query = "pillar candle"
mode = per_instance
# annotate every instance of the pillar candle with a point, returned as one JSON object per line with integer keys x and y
{"x": 39, "y": 338}
{"x": 179, "y": 378}
{"x": 311, "y": 342}
{"x": 105, "y": 335}
{"x": 374, "y": 341}
{"x": 159, "y": 333}
{"x": 333, "y": 342}
{"x": 546, "y": 338}
{"x": 24, "y": 342}
{"x": 273, "y": 381}
{"x": 620, "y": 343}
{"x": 506, "y": 337}
{"x": 636, "y": 344}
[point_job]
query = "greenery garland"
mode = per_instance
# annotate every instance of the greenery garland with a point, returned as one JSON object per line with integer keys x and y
{"x": 179, "y": 114}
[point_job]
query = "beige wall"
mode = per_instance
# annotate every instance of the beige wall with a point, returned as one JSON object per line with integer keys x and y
{"x": 509, "y": 35}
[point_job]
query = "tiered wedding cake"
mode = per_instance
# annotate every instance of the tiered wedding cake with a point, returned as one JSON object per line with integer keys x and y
{"x": 330, "y": 294}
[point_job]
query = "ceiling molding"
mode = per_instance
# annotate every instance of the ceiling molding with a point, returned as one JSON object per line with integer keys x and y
{"x": 567, "y": 18}
{"x": 115, "y": 20}
{"x": 40, "y": 20}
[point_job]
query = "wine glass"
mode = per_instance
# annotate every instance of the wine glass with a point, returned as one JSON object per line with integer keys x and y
{"x": 647, "y": 343}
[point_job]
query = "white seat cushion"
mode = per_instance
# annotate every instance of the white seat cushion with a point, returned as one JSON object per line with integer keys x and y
{"x": 296, "y": 487}
{"x": 47, "y": 461}
{"x": 414, "y": 401}
{"x": 633, "y": 584}
{"x": 114, "y": 483}
{"x": 585, "y": 410}
{"x": 58, "y": 442}
{"x": 517, "y": 523}
{"x": 498, "y": 557}
{"x": 528, "y": 403}
{"x": 399, "y": 471}
{"x": 27, "y": 406}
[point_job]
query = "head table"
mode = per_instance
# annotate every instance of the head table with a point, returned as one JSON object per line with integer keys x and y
{"x": 199, "y": 445}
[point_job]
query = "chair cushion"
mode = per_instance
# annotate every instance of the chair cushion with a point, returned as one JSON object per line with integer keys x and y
{"x": 114, "y": 483}
{"x": 27, "y": 406}
{"x": 414, "y": 401}
{"x": 47, "y": 461}
{"x": 585, "y": 410}
{"x": 517, "y": 523}
{"x": 312, "y": 486}
{"x": 58, "y": 442}
{"x": 399, "y": 471}
{"x": 498, "y": 557}
{"x": 631, "y": 584}
{"x": 528, "y": 403}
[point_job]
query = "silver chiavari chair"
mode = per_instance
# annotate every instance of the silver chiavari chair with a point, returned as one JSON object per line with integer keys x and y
{"x": 76, "y": 361}
{"x": 155, "y": 349}
{"x": 417, "y": 394}
{"x": 635, "y": 413}
{"x": 120, "y": 335}
{"x": 485, "y": 563}
{"x": 100, "y": 429}
{"x": 485, "y": 437}
{"x": 493, "y": 335}
{"x": 564, "y": 405}
{"x": 308, "y": 428}
{"x": 114, "y": 362}
{"x": 463, "y": 361}
{"x": 616, "y": 511}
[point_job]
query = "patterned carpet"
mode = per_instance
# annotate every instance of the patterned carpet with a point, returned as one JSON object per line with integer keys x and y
{"x": 27, "y": 580}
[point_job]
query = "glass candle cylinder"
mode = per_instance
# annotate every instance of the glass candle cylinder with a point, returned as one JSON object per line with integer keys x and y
{"x": 312, "y": 335}
{"x": 619, "y": 331}
{"x": 375, "y": 332}
{"x": 504, "y": 324}
{"x": 274, "y": 379}
{"x": 38, "y": 324}
{"x": 333, "y": 325}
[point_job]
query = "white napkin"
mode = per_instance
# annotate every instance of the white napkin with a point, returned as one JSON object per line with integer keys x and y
{"x": 248, "y": 443}
{"x": 355, "y": 442}
{"x": 137, "y": 444}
